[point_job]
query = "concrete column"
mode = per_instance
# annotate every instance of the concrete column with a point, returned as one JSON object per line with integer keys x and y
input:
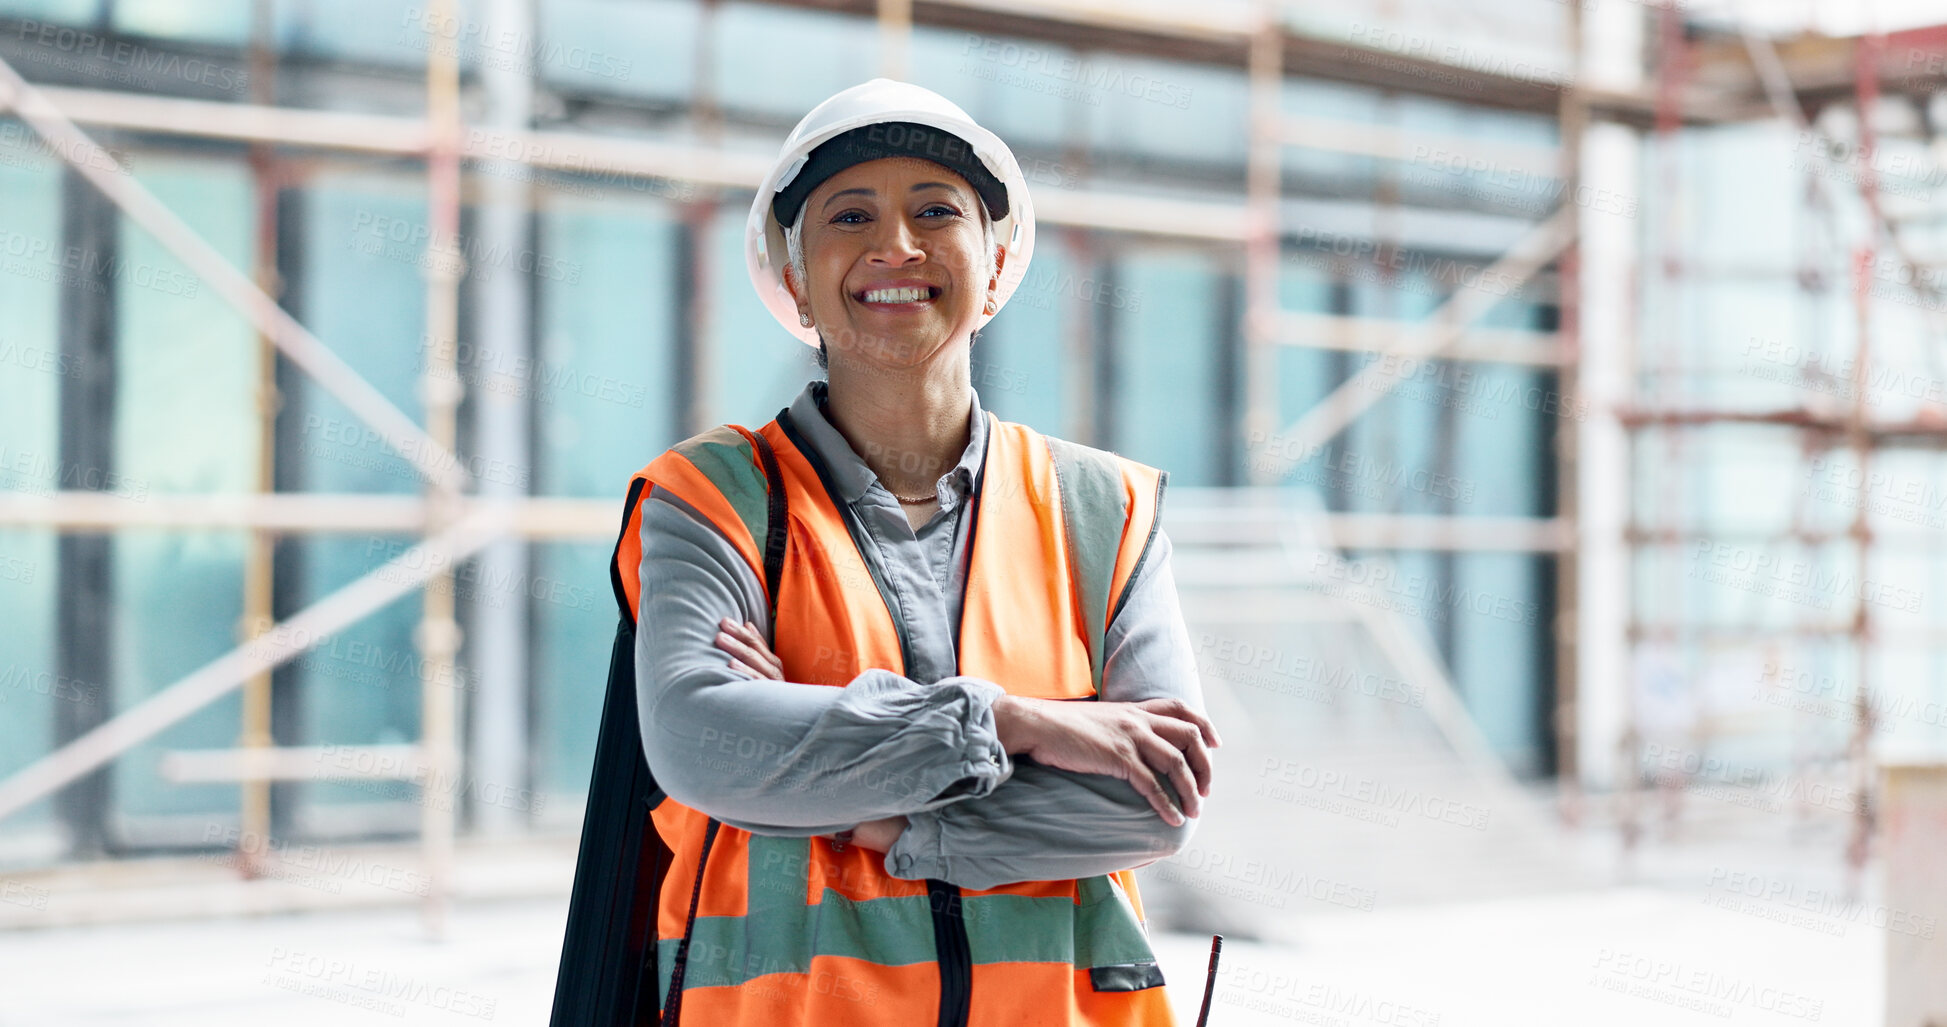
{"x": 1914, "y": 832}
{"x": 502, "y": 411}
{"x": 1610, "y": 251}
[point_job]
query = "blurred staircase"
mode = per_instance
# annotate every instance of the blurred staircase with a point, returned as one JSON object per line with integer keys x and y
{"x": 1351, "y": 778}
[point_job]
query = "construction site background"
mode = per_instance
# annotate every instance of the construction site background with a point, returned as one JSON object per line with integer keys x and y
{"x": 1552, "y": 392}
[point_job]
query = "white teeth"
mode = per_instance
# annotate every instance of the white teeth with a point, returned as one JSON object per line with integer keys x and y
{"x": 909, "y": 294}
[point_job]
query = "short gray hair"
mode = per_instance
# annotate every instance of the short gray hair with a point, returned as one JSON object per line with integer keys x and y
{"x": 794, "y": 249}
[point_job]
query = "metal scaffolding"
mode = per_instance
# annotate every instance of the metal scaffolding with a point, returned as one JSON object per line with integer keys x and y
{"x": 461, "y": 517}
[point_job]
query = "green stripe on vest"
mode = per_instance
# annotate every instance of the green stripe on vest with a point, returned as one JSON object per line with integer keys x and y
{"x": 1095, "y": 510}
{"x": 1106, "y": 930}
{"x": 725, "y": 457}
{"x": 782, "y": 934}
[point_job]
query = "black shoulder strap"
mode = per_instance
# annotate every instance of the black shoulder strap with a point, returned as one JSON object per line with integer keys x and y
{"x": 776, "y": 528}
{"x": 636, "y": 489}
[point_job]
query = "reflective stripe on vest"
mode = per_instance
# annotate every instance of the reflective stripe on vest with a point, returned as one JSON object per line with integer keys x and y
{"x": 789, "y": 931}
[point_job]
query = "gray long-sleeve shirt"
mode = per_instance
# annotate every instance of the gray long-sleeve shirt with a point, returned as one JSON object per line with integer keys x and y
{"x": 782, "y": 758}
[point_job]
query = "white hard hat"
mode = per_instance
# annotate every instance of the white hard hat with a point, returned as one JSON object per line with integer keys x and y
{"x": 869, "y": 103}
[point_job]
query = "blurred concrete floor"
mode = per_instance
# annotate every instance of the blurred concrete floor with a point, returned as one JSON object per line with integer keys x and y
{"x": 1632, "y": 955}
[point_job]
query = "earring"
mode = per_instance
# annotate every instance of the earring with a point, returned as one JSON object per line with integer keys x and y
{"x": 804, "y": 319}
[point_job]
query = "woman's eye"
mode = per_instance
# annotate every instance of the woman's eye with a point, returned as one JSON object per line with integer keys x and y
{"x": 841, "y": 218}
{"x": 939, "y": 206}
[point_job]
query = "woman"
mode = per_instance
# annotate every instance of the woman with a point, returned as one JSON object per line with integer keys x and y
{"x": 940, "y": 836}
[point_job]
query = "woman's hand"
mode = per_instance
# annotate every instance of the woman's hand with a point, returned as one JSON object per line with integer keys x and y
{"x": 749, "y": 655}
{"x": 1143, "y": 743}
{"x": 878, "y": 835}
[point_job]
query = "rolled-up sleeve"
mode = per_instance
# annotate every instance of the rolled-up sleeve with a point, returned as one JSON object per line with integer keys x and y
{"x": 1044, "y": 824}
{"x": 780, "y": 757}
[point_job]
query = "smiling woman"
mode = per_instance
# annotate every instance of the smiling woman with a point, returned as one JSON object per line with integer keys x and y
{"x": 920, "y": 192}
{"x": 848, "y": 623}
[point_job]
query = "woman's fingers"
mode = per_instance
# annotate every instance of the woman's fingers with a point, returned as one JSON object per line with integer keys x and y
{"x": 1184, "y": 736}
{"x": 1183, "y": 711}
{"x": 764, "y": 649}
{"x": 740, "y": 642}
{"x": 1168, "y": 763}
{"x": 1147, "y": 785}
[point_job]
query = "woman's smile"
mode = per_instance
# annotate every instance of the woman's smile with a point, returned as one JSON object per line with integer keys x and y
{"x": 899, "y": 297}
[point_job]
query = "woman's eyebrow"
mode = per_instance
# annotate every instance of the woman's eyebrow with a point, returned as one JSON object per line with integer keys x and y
{"x": 864, "y": 191}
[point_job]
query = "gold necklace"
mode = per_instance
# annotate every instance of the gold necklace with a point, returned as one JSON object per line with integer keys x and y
{"x": 910, "y": 501}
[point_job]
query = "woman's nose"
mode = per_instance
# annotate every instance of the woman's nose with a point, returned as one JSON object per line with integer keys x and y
{"x": 895, "y": 244}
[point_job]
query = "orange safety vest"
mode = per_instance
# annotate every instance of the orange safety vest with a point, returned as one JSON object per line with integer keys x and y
{"x": 788, "y": 931}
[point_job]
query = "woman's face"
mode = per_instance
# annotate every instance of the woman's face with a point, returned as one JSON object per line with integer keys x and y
{"x": 892, "y": 251}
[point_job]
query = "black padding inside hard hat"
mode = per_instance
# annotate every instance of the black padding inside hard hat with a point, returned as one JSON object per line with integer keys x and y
{"x": 890, "y": 139}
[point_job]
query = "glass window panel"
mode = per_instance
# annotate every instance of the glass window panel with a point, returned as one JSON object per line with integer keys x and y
{"x": 362, "y": 293}
{"x": 207, "y": 21}
{"x": 64, "y": 12}
{"x": 1167, "y": 359}
{"x": 186, "y": 423}
{"x": 756, "y": 367}
{"x": 784, "y": 60}
{"x": 1020, "y": 360}
{"x": 1498, "y": 632}
{"x": 640, "y": 48}
{"x": 32, "y": 370}
{"x": 607, "y": 336}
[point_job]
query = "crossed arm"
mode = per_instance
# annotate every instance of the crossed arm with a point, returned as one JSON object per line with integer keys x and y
{"x": 991, "y": 789}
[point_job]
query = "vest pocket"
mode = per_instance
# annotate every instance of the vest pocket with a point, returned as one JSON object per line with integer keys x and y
{"x": 1110, "y": 941}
